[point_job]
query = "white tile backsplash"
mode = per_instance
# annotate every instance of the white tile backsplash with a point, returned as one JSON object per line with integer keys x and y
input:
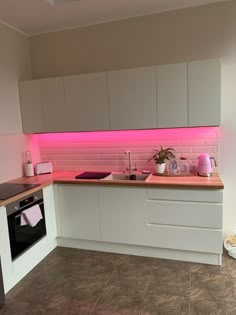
{"x": 105, "y": 150}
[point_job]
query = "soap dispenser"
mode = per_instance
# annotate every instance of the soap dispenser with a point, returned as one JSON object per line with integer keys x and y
{"x": 29, "y": 169}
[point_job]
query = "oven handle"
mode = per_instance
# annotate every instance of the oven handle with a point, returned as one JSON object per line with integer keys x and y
{"x": 17, "y": 216}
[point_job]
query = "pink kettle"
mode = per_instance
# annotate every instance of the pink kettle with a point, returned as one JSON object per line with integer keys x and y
{"x": 204, "y": 165}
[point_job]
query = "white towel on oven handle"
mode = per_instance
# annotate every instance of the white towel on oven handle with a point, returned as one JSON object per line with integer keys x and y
{"x": 31, "y": 216}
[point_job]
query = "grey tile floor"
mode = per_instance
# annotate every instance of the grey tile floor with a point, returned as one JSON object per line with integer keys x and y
{"x": 71, "y": 281}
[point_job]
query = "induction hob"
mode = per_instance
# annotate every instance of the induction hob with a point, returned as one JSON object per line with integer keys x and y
{"x": 8, "y": 190}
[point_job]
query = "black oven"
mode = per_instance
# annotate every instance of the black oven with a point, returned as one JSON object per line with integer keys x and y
{"x": 23, "y": 235}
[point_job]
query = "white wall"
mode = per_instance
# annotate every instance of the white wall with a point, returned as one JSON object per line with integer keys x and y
{"x": 12, "y": 154}
{"x": 176, "y": 36}
{"x": 14, "y": 65}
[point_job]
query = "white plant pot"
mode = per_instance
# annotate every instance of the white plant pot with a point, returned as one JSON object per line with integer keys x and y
{"x": 160, "y": 168}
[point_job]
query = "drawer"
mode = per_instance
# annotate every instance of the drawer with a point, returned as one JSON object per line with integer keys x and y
{"x": 179, "y": 213}
{"x": 185, "y": 195}
{"x": 183, "y": 238}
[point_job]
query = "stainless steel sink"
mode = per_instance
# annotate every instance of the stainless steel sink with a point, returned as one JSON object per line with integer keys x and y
{"x": 122, "y": 176}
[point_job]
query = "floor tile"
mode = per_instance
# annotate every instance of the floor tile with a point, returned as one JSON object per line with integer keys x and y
{"x": 204, "y": 307}
{"x": 126, "y": 299}
{"x": 15, "y": 308}
{"x": 172, "y": 264}
{"x": 212, "y": 287}
{"x": 131, "y": 271}
{"x": 71, "y": 281}
{"x": 72, "y": 306}
{"x": 164, "y": 304}
{"x": 225, "y": 269}
{"x": 169, "y": 281}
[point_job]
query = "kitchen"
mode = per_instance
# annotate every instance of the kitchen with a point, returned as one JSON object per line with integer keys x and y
{"x": 190, "y": 34}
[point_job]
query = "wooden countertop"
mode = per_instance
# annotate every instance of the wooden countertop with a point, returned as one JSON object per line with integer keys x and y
{"x": 63, "y": 177}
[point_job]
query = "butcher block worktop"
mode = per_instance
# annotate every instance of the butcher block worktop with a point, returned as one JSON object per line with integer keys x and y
{"x": 68, "y": 177}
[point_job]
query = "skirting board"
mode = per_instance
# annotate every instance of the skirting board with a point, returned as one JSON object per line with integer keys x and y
{"x": 198, "y": 257}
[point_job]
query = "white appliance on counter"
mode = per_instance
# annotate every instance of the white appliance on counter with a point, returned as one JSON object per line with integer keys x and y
{"x": 43, "y": 168}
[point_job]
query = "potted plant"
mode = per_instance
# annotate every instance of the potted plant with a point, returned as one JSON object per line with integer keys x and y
{"x": 160, "y": 157}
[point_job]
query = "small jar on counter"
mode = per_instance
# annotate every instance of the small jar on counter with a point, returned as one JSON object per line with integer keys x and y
{"x": 184, "y": 166}
{"x": 29, "y": 169}
{"x": 173, "y": 167}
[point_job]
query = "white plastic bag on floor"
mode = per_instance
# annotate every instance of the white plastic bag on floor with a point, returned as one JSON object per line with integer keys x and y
{"x": 230, "y": 245}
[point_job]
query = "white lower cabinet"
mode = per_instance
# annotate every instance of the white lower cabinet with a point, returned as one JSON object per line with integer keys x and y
{"x": 185, "y": 219}
{"x": 28, "y": 260}
{"x": 50, "y": 216}
{"x": 122, "y": 214}
{"x": 78, "y": 212}
{"x": 164, "y": 218}
{"x": 5, "y": 251}
{"x": 14, "y": 271}
{"x": 169, "y": 223}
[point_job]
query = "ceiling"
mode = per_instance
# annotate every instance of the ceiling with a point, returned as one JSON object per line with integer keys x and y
{"x": 42, "y": 16}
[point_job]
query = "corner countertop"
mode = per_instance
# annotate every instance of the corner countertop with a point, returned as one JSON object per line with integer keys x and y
{"x": 153, "y": 181}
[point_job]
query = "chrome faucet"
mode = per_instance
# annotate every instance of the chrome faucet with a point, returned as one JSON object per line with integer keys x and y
{"x": 130, "y": 168}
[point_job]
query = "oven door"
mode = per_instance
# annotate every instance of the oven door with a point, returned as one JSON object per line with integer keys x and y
{"x": 22, "y": 237}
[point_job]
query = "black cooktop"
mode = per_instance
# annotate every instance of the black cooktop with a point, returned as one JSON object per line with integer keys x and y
{"x": 8, "y": 190}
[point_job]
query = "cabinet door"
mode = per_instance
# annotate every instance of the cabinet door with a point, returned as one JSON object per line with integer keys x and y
{"x": 50, "y": 216}
{"x": 184, "y": 219}
{"x": 31, "y": 106}
{"x": 187, "y": 214}
{"x": 86, "y": 99}
{"x": 172, "y": 96}
{"x": 5, "y": 252}
{"x": 132, "y": 98}
{"x": 79, "y": 212}
{"x": 122, "y": 215}
{"x": 52, "y": 91}
{"x": 204, "y": 88}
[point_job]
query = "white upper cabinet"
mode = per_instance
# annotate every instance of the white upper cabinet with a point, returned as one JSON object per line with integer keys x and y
{"x": 86, "y": 100}
{"x": 132, "y": 98}
{"x": 42, "y": 105}
{"x": 52, "y": 91}
{"x": 166, "y": 96}
{"x": 172, "y": 95}
{"x": 31, "y": 106}
{"x": 204, "y": 89}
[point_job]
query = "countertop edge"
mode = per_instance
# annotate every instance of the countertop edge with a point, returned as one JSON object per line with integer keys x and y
{"x": 24, "y": 194}
{"x": 137, "y": 184}
{"x": 63, "y": 177}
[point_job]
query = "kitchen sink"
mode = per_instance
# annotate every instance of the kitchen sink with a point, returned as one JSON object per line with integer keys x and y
{"x": 122, "y": 176}
{"x": 92, "y": 175}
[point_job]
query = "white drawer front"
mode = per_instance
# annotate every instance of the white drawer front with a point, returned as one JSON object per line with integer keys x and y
{"x": 192, "y": 239}
{"x": 196, "y": 214}
{"x": 185, "y": 195}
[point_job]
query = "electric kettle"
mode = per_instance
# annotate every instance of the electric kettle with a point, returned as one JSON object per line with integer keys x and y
{"x": 204, "y": 165}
